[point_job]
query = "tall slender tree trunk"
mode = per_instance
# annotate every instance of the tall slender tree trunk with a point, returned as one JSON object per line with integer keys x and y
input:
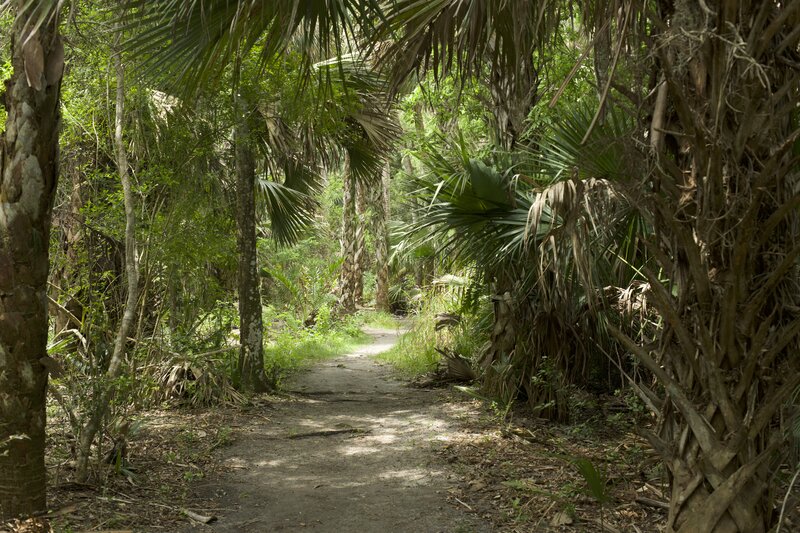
{"x": 514, "y": 94}
{"x": 513, "y": 97}
{"x": 347, "y": 278}
{"x": 360, "y": 250}
{"x": 382, "y": 215}
{"x": 251, "y": 327}
{"x": 108, "y": 389}
{"x": 602, "y": 54}
{"x": 419, "y": 127}
{"x": 28, "y": 180}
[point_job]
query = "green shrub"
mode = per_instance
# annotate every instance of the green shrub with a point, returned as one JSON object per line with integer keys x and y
{"x": 415, "y": 353}
{"x": 297, "y": 347}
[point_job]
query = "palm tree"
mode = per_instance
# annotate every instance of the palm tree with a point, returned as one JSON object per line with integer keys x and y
{"x": 528, "y": 224}
{"x": 360, "y": 256}
{"x": 199, "y": 40}
{"x": 495, "y": 43}
{"x": 492, "y": 41}
{"x": 369, "y": 130}
{"x": 27, "y": 187}
{"x": 349, "y": 272}
{"x": 722, "y": 198}
{"x": 723, "y": 195}
{"x": 251, "y": 352}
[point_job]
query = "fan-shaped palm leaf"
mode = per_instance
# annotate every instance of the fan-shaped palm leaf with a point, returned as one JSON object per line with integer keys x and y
{"x": 357, "y": 94}
{"x": 290, "y": 211}
{"x": 447, "y": 35}
{"x": 192, "y": 40}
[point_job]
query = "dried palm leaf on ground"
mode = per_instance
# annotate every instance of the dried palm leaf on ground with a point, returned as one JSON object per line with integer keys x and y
{"x": 458, "y": 367}
{"x": 198, "y": 383}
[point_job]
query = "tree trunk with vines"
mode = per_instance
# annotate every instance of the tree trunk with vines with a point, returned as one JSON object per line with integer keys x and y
{"x": 107, "y": 389}
{"x": 251, "y": 327}
{"x": 360, "y": 250}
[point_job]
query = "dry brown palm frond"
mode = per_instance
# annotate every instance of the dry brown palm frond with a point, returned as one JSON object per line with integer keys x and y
{"x": 458, "y": 367}
{"x": 197, "y": 383}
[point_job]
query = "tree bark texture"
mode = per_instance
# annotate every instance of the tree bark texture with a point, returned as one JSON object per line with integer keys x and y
{"x": 360, "y": 252}
{"x": 726, "y": 206}
{"x": 347, "y": 278}
{"x": 251, "y": 354}
{"x": 513, "y": 96}
{"x": 28, "y": 180}
{"x": 381, "y": 226}
{"x": 107, "y": 389}
{"x": 602, "y": 55}
{"x": 514, "y": 341}
{"x": 72, "y": 246}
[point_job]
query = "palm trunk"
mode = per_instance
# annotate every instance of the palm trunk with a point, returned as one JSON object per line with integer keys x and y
{"x": 347, "y": 278}
{"x": 513, "y": 339}
{"x": 513, "y": 97}
{"x": 382, "y": 243}
{"x": 108, "y": 388}
{"x": 726, "y": 205}
{"x": 602, "y": 56}
{"x": 28, "y": 180}
{"x": 251, "y": 327}
{"x": 71, "y": 226}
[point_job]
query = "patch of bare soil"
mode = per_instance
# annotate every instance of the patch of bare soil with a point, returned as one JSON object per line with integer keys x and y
{"x": 153, "y": 489}
{"x": 348, "y": 448}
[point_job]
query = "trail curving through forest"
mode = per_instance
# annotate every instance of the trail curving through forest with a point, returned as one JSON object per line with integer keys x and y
{"x": 353, "y": 450}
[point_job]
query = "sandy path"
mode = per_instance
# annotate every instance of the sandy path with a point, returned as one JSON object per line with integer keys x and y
{"x": 353, "y": 452}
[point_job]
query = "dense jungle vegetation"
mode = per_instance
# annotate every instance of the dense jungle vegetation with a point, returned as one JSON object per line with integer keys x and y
{"x": 567, "y": 202}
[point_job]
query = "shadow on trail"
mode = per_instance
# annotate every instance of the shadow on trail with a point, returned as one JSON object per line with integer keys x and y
{"x": 353, "y": 452}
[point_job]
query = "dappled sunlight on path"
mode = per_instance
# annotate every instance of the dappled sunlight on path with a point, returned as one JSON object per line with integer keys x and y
{"x": 352, "y": 451}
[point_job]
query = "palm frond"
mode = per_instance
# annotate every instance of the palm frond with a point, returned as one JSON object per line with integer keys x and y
{"x": 472, "y": 211}
{"x": 564, "y": 154}
{"x": 189, "y": 42}
{"x": 456, "y": 35}
{"x": 357, "y": 93}
{"x": 291, "y": 212}
{"x": 36, "y": 12}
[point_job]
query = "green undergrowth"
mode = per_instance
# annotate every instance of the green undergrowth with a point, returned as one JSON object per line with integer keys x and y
{"x": 415, "y": 353}
{"x": 293, "y": 350}
{"x": 295, "y": 347}
{"x": 380, "y": 319}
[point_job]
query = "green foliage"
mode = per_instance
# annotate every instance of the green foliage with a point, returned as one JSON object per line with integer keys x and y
{"x": 300, "y": 278}
{"x": 379, "y": 320}
{"x": 415, "y": 353}
{"x": 296, "y": 347}
{"x": 596, "y": 480}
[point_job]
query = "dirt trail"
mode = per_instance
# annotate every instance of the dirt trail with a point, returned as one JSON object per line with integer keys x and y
{"x": 353, "y": 452}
